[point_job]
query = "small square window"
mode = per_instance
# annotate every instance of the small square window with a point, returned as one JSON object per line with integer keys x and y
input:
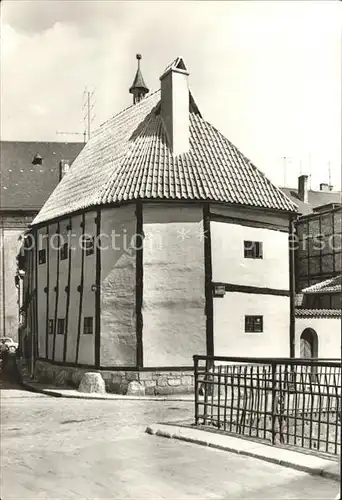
{"x": 88, "y": 326}
{"x": 253, "y": 250}
{"x": 61, "y": 326}
{"x": 50, "y": 327}
{"x": 88, "y": 245}
{"x": 42, "y": 256}
{"x": 64, "y": 251}
{"x": 254, "y": 324}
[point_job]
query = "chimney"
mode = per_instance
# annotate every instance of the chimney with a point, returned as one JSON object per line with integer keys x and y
{"x": 324, "y": 187}
{"x": 303, "y": 191}
{"x": 175, "y": 106}
{"x": 63, "y": 168}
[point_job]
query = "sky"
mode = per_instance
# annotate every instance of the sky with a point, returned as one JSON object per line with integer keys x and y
{"x": 266, "y": 74}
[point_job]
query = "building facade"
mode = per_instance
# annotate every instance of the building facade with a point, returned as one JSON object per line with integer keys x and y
{"x": 29, "y": 171}
{"x": 184, "y": 251}
{"x": 318, "y": 231}
{"x": 318, "y": 320}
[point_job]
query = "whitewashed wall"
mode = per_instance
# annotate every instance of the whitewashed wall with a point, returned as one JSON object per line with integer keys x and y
{"x": 328, "y": 332}
{"x": 230, "y": 338}
{"x": 174, "y": 323}
{"x": 118, "y": 278}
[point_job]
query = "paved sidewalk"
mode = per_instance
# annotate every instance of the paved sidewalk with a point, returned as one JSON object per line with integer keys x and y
{"x": 325, "y": 467}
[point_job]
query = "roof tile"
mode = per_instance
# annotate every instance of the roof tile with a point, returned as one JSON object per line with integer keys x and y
{"x": 128, "y": 158}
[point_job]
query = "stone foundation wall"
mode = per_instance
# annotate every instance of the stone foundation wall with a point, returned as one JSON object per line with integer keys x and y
{"x": 155, "y": 383}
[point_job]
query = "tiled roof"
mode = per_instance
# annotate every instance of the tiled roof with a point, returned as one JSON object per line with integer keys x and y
{"x": 24, "y": 186}
{"x": 315, "y": 199}
{"x": 332, "y": 285}
{"x": 318, "y": 313}
{"x": 128, "y": 158}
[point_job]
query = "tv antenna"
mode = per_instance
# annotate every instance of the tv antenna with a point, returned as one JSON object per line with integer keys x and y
{"x": 88, "y": 106}
{"x": 73, "y": 133}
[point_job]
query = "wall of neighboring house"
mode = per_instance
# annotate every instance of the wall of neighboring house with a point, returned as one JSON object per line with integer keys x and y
{"x": 328, "y": 331}
{"x": 319, "y": 258}
{"x": 229, "y": 229}
{"x": 12, "y": 227}
{"x": 174, "y": 321}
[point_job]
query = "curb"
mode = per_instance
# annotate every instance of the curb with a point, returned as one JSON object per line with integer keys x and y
{"x": 317, "y": 471}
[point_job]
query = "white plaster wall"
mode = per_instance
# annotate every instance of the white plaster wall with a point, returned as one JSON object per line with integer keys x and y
{"x": 118, "y": 278}
{"x": 174, "y": 322}
{"x": 62, "y": 295}
{"x": 86, "y": 352}
{"x": 329, "y": 335}
{"x": 42, "y": 243}
{"x": 230, "y": 266}
{"x": 75, "y": 281}
{"x": 53, "y": 257}
{"x": 230, "y": 338}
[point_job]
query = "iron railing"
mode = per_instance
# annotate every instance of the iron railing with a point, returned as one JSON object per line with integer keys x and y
{"x": 283, "y": 401}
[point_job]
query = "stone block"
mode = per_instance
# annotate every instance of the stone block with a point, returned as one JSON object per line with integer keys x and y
{"x": 130, "y": 376}
{"x": 150, "y": 391}
{"x": 92, "y": 382}
{"x": 135, "y": 389}
{"x": 149, "y": 383}
{"x": 146, "y": 376}
{"x": 181, "y": 389}
{"x": 174, "y": 381}
{"x": 162, "y": 381}
{"x": 187, "y": 380}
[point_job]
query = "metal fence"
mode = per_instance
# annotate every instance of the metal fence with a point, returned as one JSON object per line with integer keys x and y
{"x": 283, "y": 401}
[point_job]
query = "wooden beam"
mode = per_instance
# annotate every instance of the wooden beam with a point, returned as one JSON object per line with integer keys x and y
{"x": 139, "y": 286}
{"x": 97, "y": 251}
{"x": 80, "y": 291}
{"x": 208, "y": 273}
{"x": 232, "y": 287}
{"x": 66, "y": 333}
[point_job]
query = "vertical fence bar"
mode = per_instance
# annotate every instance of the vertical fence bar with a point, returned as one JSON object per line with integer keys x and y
{"x": 273, "y": 400}
{"x": 196, "y": 388}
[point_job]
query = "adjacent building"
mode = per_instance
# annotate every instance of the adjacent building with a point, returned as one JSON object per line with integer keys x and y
{"x": 318, "y": 320}
{"x": 29, "y": 171}
{"x": 184, "y": 250}
{"x": 319, "y": 233}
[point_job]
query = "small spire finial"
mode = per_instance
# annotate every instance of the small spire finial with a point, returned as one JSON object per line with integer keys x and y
{"x": 138, "y": 88}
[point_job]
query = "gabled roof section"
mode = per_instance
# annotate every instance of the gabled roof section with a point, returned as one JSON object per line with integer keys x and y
{"x": 128, "y": 159}
{"x": 176, "y": 64}
{"x": 316, "y": 199}
{"x": 25, "y": 182}
{"x": 332, "y": 285}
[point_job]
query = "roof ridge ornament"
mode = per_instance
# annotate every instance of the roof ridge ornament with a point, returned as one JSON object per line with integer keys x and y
{"x": 139, "y": 87}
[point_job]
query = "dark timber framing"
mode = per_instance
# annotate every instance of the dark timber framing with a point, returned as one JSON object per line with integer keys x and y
{"x": 80, "y": 290}
{"x": 47, "y": 291}
{"x": 35, "y": 298}
{"x": 56, "y": 295}
{"x": 139, "y": 285}
{"x": 98, "y": 291}
{"x": 292, "y": 286}
{"x": 232, "y": 287}
{"x": 208, "y": 272}
{"x": 68, "y": 295}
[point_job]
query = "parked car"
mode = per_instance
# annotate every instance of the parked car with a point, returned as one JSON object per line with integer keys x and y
{"x": 8, "y": 344}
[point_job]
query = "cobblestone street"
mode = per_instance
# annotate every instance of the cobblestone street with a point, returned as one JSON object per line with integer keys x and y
{"x": 68, "y": 448}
